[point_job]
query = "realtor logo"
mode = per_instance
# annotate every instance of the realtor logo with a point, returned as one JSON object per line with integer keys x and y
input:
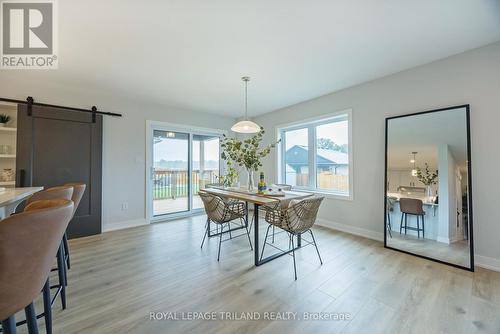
{"x": 28, "y": 35}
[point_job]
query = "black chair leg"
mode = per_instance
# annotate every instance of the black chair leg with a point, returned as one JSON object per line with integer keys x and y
{"x": 264, "y": 243}
{"x": 66, "y": 251}
{"x": 47, "y": 308}
{"x": 293, "y": 254}
{"x": 61, "y": 274}
{"x": 220, "y": 240}
{"x": 205, "y": 235}
{"x": 248, "y": 233}
{"x": 9, "y": 325}
{"x": 31, "y": 319}
{"x": 315, "y": 245}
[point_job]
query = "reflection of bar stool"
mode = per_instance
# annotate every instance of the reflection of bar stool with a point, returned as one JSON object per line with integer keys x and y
{"x": 390, "y": 209}
{"x": 412, "y": 206}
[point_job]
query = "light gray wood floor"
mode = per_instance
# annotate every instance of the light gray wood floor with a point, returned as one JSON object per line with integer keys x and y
{"x": 119, "y": 277}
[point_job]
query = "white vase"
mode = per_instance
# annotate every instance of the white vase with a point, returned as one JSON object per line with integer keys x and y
{"x": 429, "y": 191}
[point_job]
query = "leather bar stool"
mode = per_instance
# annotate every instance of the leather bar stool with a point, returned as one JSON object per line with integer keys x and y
{"x": 414, "y": 207}
{"x": 56, "y": 193}
{"x": 78, "y": 191}
{"x": 28, "y": 243}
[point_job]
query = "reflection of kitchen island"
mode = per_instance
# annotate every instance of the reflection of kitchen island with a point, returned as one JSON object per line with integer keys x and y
{"x": 431, "y": 217}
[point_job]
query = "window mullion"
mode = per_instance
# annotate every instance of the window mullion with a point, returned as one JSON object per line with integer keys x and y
{"x": 312, "y": 155}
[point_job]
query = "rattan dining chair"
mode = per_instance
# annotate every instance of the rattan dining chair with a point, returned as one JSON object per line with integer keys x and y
{"x": 296, "y": 219}
{"x": 222, "y": 212}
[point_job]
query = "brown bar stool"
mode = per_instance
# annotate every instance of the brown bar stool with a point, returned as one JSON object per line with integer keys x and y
{"x": 414, "y": 207}
{"x": 56, "y": 193}
{"x": 78, "y": 191}
{"x": 28, "y": 243}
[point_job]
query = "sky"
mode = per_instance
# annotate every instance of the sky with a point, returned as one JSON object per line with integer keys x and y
{"x": 338, "y": 132}
{"x": 173, "y": 149}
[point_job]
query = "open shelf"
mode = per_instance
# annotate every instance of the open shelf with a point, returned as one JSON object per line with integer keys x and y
{"x": 7, "y": 129}
{"x": 7, "y": 156}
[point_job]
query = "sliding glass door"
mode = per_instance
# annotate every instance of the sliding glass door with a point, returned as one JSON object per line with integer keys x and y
{"x": 206, "y": 164}
{"x": 181, "y": 161}
{"x": 171, "y": 170}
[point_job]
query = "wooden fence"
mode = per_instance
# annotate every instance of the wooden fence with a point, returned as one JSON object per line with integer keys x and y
{"x": 173, "y": 184}
{"x": 325, "y": 180}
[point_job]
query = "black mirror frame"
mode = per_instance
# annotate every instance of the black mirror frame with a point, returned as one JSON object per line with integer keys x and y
{"x": 469, "y": 187}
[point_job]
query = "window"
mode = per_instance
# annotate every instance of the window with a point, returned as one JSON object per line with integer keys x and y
{"x": 315, "y": 155}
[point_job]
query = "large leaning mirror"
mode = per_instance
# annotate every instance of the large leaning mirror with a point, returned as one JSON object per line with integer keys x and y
{"x": 428, "y": 198}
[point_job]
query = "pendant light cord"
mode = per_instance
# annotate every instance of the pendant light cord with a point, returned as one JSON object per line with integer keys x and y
{"x": 246, "y": 100}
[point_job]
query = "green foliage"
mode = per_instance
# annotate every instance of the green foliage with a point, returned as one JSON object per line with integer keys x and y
{"x": 328, "y": 144}
{"x": 426, "y": 177}
{"x": 246, "y": 153}
{"x": 231, "y": 176}
{"x": 4, "y": 118}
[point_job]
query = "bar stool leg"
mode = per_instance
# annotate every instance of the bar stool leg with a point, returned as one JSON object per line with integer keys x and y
{"x": 66, "y": 251}
{"x": 418, "y": 227}
{"x": 9, "y": 325}
{"x": 47, "y": 308}
{"x": 61, "y": 274}
{"x": 423, "y": 227}
{"x": 406, "y": 222}
{"x": 31, "y": 319}
{"x": 401, "y": 225}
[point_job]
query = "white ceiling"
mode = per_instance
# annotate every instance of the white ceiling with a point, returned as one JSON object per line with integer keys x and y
{"x": 424, "y": 133}
{"x": 191, "y": 54}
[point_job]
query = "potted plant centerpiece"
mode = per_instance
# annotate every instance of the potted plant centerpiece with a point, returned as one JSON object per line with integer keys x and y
{"x": 427, "y": 178}
{"x": 246, "y": 153}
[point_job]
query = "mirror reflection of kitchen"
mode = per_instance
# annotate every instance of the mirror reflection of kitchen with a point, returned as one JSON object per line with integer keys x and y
{"x": 427, "y": 191}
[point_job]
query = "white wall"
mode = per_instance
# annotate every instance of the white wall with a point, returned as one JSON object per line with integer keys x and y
{"x": 123, "y": 138}
{"x": 469, "y": 78}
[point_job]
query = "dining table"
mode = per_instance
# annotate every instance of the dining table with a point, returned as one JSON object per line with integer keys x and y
{"x": 258, "y": 200}
{"x": 10, "y": 198}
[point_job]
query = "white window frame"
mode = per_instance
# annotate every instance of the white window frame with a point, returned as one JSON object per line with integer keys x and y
{"x": 311, "y": 124}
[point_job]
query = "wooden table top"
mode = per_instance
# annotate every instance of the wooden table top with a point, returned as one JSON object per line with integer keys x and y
{"x": 12, "y": 195}
{"x": 243, "y": 195}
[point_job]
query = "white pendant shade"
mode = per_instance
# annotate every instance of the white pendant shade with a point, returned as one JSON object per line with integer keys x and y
{"x": 245, "y": 127}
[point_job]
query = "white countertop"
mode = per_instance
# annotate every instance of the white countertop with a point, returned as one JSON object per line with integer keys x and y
{"x": 13, "y": 195}
{"x": 426, "y": 200}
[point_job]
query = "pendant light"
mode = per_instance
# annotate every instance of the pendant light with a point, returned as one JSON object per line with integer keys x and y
{"x": 414, "y": 170}
{"x": 246, "y": 126}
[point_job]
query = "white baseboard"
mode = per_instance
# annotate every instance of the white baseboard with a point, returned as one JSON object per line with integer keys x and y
{"x": 123, "y": 224}
{"x": 351, "y": 229}
{"x": 444, "y": 240}
{"x": 487, "y": 262}
{"x": 480, "y": 261}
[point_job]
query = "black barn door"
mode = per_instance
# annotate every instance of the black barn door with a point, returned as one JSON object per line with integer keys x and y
{"x": 56, "y": 146}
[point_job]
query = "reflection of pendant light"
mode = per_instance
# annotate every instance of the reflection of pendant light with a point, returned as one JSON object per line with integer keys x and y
{"x": 414, "y": 170}
{"x": 246, "y": 126}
